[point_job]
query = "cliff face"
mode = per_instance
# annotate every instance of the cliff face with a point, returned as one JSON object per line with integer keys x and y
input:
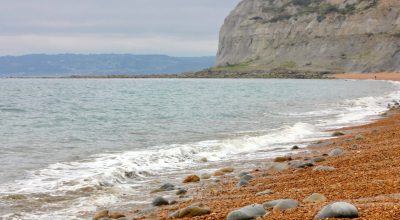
{"x": 312, "y": 35}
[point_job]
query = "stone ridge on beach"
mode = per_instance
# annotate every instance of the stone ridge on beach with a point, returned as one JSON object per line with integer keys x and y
{"x": 365, "y": 177}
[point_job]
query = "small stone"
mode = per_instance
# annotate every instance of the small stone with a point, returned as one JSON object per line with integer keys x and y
{"x": 295, "y": 147}
{"x": 218, "y": 173}
{"x": 282, "y": 159}
{"x": 281, "y": 204}
{"x": 205, "y": 176}
{"x": 265, "y": 192}
{"x": 243, "y": 174}
{"x": 191, "y": 179}
{"x": 324, "y": 168}
{"x": 247, "y": 177}
{"x": 197, "y": 209}
{"x": 116, "y": 215}
{"x": 338, "y": 210}
{"x": 101, "y": 214}
{"x": 315, "y": 198}
{"x": 247, "y": 212}
{"x": 226, "y": 170}
{"x": 159, "y": 201}
{"x": 280, "y": 167}
{"x": 204, "y": 160}
{"x": 318, "y": 159}
{"x": 167, "y": 187}
{"x": 337, "y": 133}
{"x": 286, "y": 204}
{"x": 359, "y": 137}
{"x": 243, "y": 182}
{"x": 181, "y": 192}
{"x": 336, "y": 152}
{"x": 173, "y": 202}
{"x": 300, "y": 164}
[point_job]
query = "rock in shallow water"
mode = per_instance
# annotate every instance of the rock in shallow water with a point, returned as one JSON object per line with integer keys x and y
{"x": 181, "y": 192}
{"x": 205, "y": 176}
{"x": 196, "y": 209}
{"x": 191, "y": 179}
{"x": 247, "y": 212}
{"x": 338, "y": 210}
{"x": 101, "y": 214}
{"x": 159, "y": 201}
{"x": 227, "y": 170}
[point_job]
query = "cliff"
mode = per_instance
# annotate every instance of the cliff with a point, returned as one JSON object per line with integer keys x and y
{"x": 311, "y": 36}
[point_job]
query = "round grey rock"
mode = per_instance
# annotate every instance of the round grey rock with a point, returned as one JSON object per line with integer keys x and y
{"x": 336, "y": 152}
{"x": 281, "y": 204}
{"x": 247, "y": 177}
{"x": 338, "y": 210}
{"x": 159, "y": 201}
{"x": 243, "y": 182}
{"x": 247, "y": 212}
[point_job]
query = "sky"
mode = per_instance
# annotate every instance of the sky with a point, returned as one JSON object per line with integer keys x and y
{"x": 172, "y": 27}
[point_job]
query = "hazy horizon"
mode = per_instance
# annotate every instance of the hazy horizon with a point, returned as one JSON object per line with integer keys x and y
{"x": 179, "y": 28}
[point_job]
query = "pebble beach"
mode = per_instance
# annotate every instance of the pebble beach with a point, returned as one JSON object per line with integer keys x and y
{"x": 354, "y": 174}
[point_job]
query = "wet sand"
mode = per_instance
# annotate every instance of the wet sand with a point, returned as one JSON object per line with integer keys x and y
{"x": 379, "y": 76}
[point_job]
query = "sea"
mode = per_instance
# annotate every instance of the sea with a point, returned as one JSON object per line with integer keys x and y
{"x": 71, "y": 147}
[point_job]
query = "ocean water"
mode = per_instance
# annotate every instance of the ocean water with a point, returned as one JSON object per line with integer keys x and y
{"x": 69, "y": 147}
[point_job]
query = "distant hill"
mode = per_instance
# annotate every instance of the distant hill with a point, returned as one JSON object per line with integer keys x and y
{"x": 37, "y": 65}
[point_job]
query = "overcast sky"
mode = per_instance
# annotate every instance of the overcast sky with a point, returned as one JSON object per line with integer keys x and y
{"x": 173, "y": 27}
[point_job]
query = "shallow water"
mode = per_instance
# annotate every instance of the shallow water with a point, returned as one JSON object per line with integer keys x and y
{"x": 69, "y": 147}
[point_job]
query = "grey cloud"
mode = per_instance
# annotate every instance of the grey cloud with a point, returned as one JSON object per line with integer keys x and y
{"x": 69, "y": 23}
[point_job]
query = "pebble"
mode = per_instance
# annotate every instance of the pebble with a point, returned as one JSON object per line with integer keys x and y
{"x": 205, "y": 176}
{"x": 295, "y": 147}
{"x": 300, "y": 164}
{"x": 159, "y": 201}
{"x": 101, "y": 214}
{"x": 338, "y": 210}
{"x": 227, "y": 170}
{"x": 280, "y": 167}
{"x": 197, "y": 209}
{"x": 218, "y": 173}
{"x": 247, "y": 212}
{"x": 337, "y": 133}
{"x": 243, "y": 174}
{"x": 281, "y": 204}
{"x": 247, "y": 177}
{"x": 116, "y": 215}
{"x": 265, "y": 192}
{"x": 167, "y": 187}
{"x": 181, "y": 192}
{"x": 243, "y": 182}
{"x": 315, "y": 198}
{"x": 336, "y": 152}
{"x": 324, "y": 168}
{"x": 318, "y": 159}
{"x": 282, "y": 159}
{"x": 191, "y": 179}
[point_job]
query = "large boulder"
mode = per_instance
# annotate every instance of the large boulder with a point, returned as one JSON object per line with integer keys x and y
{"x": 247, "y": 212}
{"x": 196, "y": 209}
{"x": 338, "y": 210}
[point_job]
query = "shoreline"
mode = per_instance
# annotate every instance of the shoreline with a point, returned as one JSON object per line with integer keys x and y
{"x": 365, "y": 175}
